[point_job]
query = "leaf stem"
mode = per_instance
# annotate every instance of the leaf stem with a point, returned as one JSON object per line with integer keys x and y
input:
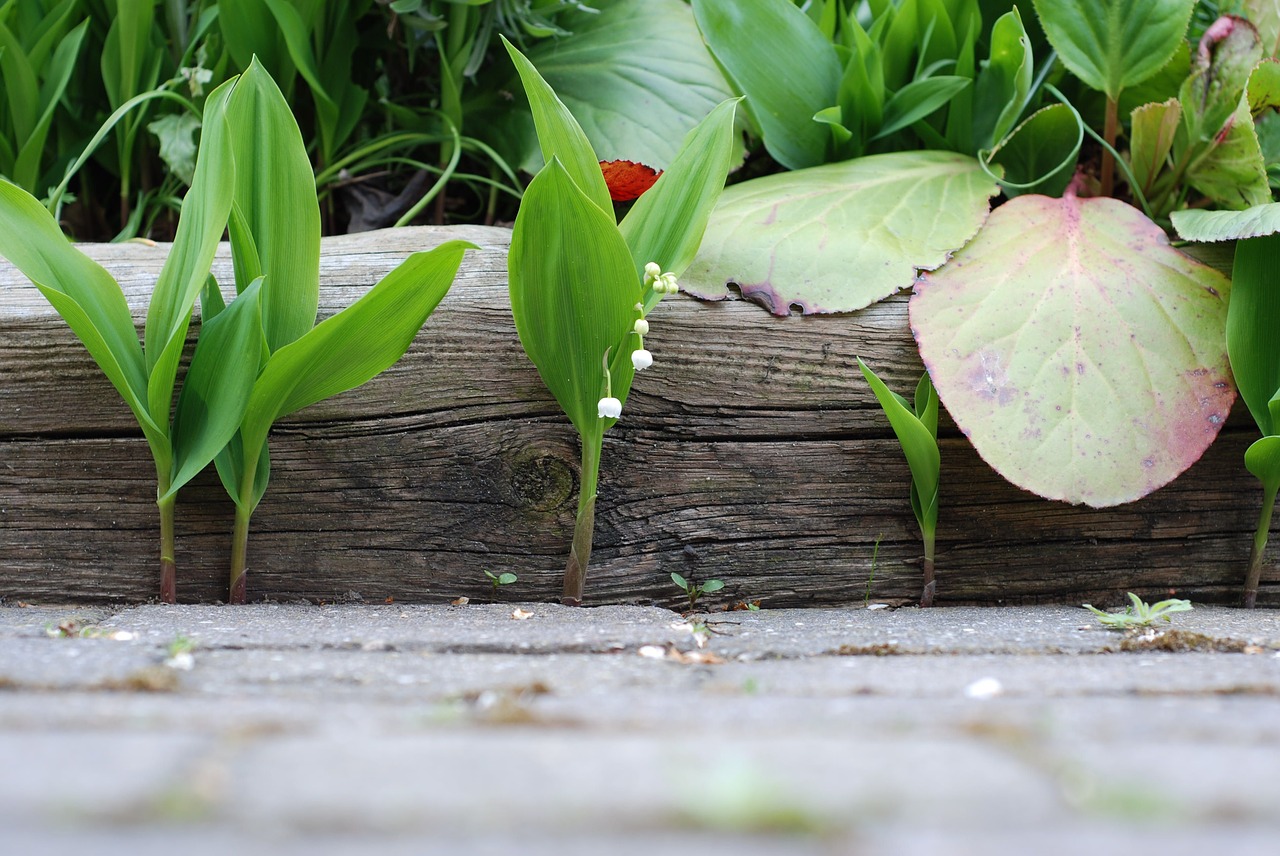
{"x": 575, "y": 573}
{"x": 1109, "y": 131}
{"x": 168, "y": 566}
{"x": 1254, "y": 575}
{"x": 930, "y": 584}
{"x": 239, "y": 553}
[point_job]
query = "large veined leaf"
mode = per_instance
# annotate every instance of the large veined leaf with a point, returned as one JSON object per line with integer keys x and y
{"x": 839, "y": 237}
{"x": 636, "y": 76}
{"x": 783, "y": 64}
{"x": 573, "y": 292}
{"x": 1196, "y": 225}
{"x": 1082, "y": 355}
{"x": 1114, "y": 44}
{"x": 1233, "y": 173}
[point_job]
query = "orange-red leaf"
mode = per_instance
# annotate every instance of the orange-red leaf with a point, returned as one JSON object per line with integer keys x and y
{"x": 627, "y": 179}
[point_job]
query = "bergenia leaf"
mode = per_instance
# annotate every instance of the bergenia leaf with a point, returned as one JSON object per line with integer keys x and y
{"x": 559, "y": 134}
{"x": 347, "y": 349}
{"x": 573, "y": 291}
{"x": 1083, "y": 356}
{"x": 1154, "y": 128}
{"x": 275, "y": 191}
{"x": 783, "y": 64}
{"x": 185, "y": 270}
{"x": 667, "y": 223}
{"x": 216, "y": 389}
{"x": 1196, "y": 225}
{"x": 1114, "y": 44}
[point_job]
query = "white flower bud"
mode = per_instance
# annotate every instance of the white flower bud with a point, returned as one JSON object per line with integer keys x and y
{"x": 652, "y": 271}
{"x": 641, "y": 359}
{"x": 642, "y": 326}
{"x": 609, "y": 408}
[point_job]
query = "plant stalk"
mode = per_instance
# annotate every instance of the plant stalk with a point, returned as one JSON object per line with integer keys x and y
{"x": 239, "y": 553}
{"x": 575, "y": 573}
{"x": 1109, "y": 131}
{"x": 1254, "y": 576}
{"x": 930, "y": 584}
{"x": 168, "y": 566}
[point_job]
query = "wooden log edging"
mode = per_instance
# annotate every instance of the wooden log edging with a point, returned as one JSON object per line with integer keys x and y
{"x": 752, "y": 452}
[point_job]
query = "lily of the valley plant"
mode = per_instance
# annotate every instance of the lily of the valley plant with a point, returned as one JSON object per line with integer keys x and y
{"x": 582, "y": 284}
{"x": 256, "y": 360}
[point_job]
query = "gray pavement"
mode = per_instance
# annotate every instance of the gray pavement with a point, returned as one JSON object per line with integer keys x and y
{"x": 533, "y": 728}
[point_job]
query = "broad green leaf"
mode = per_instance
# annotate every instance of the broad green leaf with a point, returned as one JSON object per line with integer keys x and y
{"x": 840, "y": 237}
{"x": 1196, "y": 225}
{"x": 1153, "y": 130}
{"x": 80, "y": 290}
{"x": 667, "y": 222}
{"x": 1004, "y": 84}
{"x": 635, "y": 75}
{"x": 779, "y": 59}
{"x": 185, "y": 270}
{"x": 249, "y": 31}
{"x": 1232, "y": 172}
{"x": 1219, "y": 74}
{"x": 275, "y": 191}
{"x": 1040, "y": 155}
{"x": 1253, "y": 326}
{"x": 231, "y": 467}
{"x": 1262, "y": 459}
{"x": 917, "y": 100}
{"x": 1265, "y": 17}
{"x": 919, "y": 443}
{"x": 573, "y": 292}
{"x": 1114, "y": 44}
{"x": 1082, "y": 356}
{"x": 559, "y": 134}
{"x": 347, "y": 349}
{"x": 175, "y": 133}
{"x": 1263, "y": 89}
{"x": 216, "y": 389}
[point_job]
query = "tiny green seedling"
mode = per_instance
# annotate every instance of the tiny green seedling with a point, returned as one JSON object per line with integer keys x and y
{"x": 694, "y": 591}
{"x": 1139, "y": 613}
{"x": 496, "y": 580}
{"x": 916, "y": 425}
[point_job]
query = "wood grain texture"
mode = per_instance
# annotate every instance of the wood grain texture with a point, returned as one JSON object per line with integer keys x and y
{"x": 752, "y": 452}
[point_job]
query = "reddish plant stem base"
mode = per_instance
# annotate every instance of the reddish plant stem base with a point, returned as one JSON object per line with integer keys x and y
{"x": 930, "y": 585}
{"x": 238, "y": 594}
{"x": 168, "y": 581}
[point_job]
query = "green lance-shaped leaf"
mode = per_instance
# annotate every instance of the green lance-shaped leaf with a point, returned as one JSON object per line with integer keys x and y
{"x": 1004, "y": 84}
{"x": 667, "y": 222}
{"x": 275, "y": 192}
{"x": 788, "y": 70}
{"x": 347, "y": 349}
{"x": 1114, "y": 44}
{"x": 186, "y": 269}
{"x": 559, "y": 134}
{"x": 26, "y": 168}
{"x": 917, "y": 432}
{"x": 216, "y": 389}
{"x": 917, "y": 100}
{"x": 1253, "y": 327}
{"x": 573, "y": 292}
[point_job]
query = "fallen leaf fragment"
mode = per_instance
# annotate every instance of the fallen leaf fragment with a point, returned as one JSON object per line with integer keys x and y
{"x": 984, "y": 688}
{"x": 462, "y": 601}
{"x": 521, "y": 614}
{"x": 675, "y": 655}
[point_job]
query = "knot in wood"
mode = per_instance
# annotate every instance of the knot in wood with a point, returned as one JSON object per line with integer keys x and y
{"x": 542, "y": 481}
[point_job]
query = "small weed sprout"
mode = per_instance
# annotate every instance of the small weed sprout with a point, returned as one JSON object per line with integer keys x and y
{"x": 497, "y": 580}
{"x": 875, "y": 552}
{"x": 694, "y": 591}
{"x": 1139, "y": 613}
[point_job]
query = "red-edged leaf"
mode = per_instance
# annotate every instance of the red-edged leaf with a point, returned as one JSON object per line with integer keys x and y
{"x": 627, "y": 179}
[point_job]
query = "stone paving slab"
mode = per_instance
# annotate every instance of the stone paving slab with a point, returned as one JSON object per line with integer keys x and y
{"x": 463, "y": 730}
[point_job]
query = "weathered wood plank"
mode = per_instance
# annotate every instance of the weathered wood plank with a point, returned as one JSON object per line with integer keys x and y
{"x": 752, "y": 451}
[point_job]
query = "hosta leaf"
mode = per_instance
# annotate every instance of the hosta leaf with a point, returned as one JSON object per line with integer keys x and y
{"x": 1195, "y": 225}
{"x": 573, "y": 291}
{"x": 666, "y": 224}
{"x": 216, "y": 389}
{"x": 1082, "y": 356}
{"x": 1114, "y": 44}
{"x": 347, "y": 349}
{"x": 781, "y": 62}
{"x": 636, "y": 75}
{"x": 840, "y": 237}
{"x": 275, "y": 191}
